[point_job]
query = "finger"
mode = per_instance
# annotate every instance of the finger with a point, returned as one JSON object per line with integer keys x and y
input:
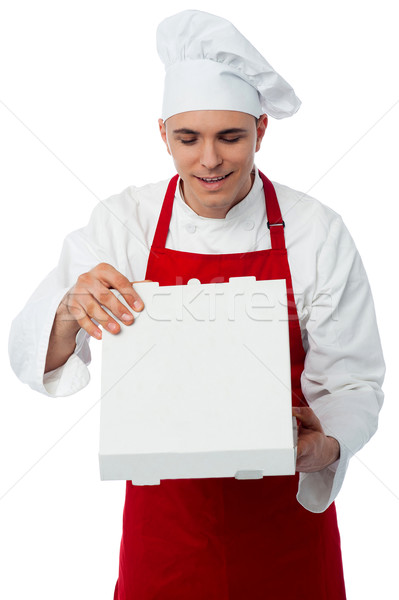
{"x": 307, "y": 417}
{"x": 91, "y": 309}
{"x": 108, "y": 299}
{"x": 110, "y": 277}
{"x": 299, "y": 449}
{"x": 78, "y": 313}
{"x": 83, "y": 314}
{"x": 87, "y": 324}
{"x": 91, "y": 293}
{"x": 105, "y": 319}
{"x": 305, "y": 446}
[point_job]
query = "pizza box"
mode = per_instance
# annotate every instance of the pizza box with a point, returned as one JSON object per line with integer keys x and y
{"x": 199, "y": 385}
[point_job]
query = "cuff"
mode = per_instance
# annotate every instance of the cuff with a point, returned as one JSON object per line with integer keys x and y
{"x": 74, "y": 375}
{"x": 67, "y": 379}
{"x": 316, "y": 491}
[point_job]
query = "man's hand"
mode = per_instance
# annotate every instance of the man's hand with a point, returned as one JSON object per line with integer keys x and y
{"x": 315, "y": 450}
{"x": 83, "y": 303}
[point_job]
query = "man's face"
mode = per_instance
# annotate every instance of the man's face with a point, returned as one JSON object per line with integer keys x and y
{"x": 213, "y": 152}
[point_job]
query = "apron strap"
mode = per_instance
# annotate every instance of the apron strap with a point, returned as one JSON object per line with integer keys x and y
{"x": 275, "y": 222}
{"x": 161, "y": 232}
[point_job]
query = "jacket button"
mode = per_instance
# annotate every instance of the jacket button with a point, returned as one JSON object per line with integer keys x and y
{"x": 191, "y": 227}
{"x": 248, "y": 225}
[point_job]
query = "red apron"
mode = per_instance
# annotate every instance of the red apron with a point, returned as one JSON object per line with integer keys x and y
{"x": 223, "y": 538}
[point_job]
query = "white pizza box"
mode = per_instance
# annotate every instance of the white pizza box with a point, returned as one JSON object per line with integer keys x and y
{"x": 199, "y": 385}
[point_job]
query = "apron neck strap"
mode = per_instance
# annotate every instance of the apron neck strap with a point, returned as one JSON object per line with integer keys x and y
{"x": 275, "y": 222}
{"x": 162, "y": 229}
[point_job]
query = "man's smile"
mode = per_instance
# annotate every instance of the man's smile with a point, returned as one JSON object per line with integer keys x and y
{"x": 218, "y": 178}
{"x": 213, "y": 183}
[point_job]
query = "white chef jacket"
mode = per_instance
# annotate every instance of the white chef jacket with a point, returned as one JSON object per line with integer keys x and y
{"x": 344, "y": 366}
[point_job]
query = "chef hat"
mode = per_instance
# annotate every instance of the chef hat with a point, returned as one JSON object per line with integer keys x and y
{"x": 210, "y": 65}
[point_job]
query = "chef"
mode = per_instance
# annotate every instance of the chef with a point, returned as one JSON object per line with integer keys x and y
{"x": 218, "y": 217}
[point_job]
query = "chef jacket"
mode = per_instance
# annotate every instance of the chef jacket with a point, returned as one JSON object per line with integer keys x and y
{"x": 344, "y": 366}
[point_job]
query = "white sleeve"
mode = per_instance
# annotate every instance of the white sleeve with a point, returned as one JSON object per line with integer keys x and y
{"x": 30, "y": 330}
{"x": 344, "y": 366}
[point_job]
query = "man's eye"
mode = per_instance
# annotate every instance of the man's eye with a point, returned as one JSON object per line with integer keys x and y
{"x": 230, "y": 140}
{"x": 188, "y": 141}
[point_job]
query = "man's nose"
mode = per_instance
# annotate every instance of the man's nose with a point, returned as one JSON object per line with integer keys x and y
{"x": 210, "y": 157}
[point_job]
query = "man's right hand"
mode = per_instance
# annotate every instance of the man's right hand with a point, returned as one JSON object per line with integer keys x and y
{"x": 83, "y": 303}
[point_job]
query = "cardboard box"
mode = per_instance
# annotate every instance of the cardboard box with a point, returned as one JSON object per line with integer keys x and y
{"x": 199, "y": 385}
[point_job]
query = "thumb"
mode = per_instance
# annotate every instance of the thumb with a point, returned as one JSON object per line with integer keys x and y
{"x": 307, "y": 417}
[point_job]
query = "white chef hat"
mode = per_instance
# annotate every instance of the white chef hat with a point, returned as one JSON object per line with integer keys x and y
{"x": 210, "y": 65}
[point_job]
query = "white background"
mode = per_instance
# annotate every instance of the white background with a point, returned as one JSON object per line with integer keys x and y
{"x": 80, "y": 94}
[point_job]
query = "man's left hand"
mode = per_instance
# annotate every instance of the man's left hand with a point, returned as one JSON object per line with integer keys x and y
{"x": 315, "y": 450}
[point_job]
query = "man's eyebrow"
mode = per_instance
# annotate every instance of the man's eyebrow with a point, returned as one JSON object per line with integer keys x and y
{"x": 233, "y": 130}
{"x": 183, "y": 130}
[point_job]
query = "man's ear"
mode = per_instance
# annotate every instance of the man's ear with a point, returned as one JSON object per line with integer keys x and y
{"x": 162, "y": 130}
{"x": 260, "y": 130}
